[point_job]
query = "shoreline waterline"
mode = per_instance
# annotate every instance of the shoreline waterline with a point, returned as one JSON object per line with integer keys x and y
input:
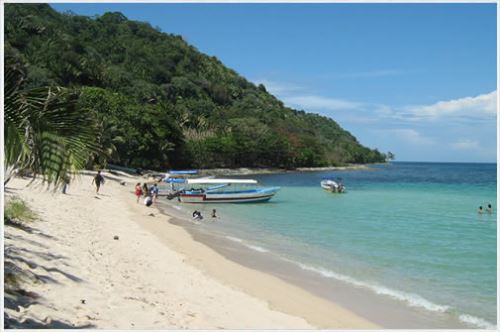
{"x": 294, "y": 292}
{"x": 281, "y": 295}
{"x": 381, "y": 310}
{"x": 97, "y": 265}
{"x": 287, "y": 228}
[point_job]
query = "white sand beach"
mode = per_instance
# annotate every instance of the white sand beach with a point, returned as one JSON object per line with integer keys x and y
{"x": 153, "y": 276}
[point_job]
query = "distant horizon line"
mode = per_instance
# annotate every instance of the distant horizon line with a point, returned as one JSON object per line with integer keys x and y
{"x": 444, "y": 162}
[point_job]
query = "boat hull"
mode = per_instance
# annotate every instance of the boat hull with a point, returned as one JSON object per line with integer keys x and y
{"x": 235, "y": 197}
{"x": 332, "y": 186}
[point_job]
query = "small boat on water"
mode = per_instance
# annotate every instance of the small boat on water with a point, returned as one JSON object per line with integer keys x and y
{"x": 210, "y": 190}
{"x": 335, "y": 185}
{"x": 174, "y": 177}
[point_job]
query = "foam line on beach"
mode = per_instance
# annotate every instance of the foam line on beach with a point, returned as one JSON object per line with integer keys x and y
{"x": 479, "y": 322}
{"x": 256, "y": 248}
{"x": 234, "y": 239}
{"x": 250, "y": 246}
{"x": 412, "y": 300}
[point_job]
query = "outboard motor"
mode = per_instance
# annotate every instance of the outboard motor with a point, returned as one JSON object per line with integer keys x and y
{"x": 173, "y": 195}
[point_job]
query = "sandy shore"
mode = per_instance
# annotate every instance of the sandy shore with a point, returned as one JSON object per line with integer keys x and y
{"x": 154, "y": 276}
{"x": 225, "y": 172}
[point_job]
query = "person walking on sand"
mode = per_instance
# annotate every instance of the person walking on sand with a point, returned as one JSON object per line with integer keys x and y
{"x": 98, "y": 180}
{"x": 214, "y": 213}
{"x": 138, "y": 191}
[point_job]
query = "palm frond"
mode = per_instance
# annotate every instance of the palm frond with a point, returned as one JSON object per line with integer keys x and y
{"x": 45, "y": 132}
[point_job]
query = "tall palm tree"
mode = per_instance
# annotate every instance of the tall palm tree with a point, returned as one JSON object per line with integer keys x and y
{"x": 45, "y": 133}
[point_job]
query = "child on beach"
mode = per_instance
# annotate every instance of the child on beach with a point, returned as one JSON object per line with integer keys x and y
{"x": 138, "y": 191}
{"x": 148, "y": 201}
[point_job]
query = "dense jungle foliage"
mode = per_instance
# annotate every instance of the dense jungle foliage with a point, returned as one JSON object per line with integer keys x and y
{"x": 160, "y": 103}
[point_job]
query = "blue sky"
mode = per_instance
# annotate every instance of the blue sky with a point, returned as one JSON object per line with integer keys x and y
{"x": 418, "y": 80}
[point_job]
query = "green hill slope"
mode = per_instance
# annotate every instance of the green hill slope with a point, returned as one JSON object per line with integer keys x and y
{"x": 161, "y": 103}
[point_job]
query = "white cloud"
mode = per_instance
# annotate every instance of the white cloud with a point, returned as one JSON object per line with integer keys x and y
{"x": 479, "y": 107}
{"x": 467, "y": 110}
{"x": 409, "y": 135}
{"x": 311, "y": 102}
{"x": 278, "y": 88}
{"x": 296, "y": 96}
{"x": 466, "y": 144}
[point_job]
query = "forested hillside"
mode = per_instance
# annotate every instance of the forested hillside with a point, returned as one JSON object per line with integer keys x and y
{"x": 158, "y": 102}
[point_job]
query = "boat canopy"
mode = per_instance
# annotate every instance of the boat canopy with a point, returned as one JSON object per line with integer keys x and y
{"x": 174, "y": 180}
{"x": 193, "y": 171}
{"x": 212, "y": 181}
{"x": 220, "y": 181}
{"x": 331, "y": 178}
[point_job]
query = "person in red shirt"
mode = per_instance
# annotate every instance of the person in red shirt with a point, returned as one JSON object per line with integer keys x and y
{"x": 138, "y": 191}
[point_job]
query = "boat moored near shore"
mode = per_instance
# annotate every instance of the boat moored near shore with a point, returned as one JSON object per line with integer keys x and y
{"x": 209, "y": 190}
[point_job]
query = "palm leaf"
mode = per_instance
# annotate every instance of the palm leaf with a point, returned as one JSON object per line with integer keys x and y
{"x": 45, "y": 132}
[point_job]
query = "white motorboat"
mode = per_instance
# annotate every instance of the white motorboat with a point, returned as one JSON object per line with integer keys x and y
{"x": 210, "y": 190}
{"x": 335, "y": 185}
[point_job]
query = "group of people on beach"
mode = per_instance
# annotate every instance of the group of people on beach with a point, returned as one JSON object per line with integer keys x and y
{"x": 488, "y": 210}
{"x": 150, "y": 194}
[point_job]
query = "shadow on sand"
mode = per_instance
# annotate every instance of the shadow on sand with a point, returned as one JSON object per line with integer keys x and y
{"x": 19, "y": 271}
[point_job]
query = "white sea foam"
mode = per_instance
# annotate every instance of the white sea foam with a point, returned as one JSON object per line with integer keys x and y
{"x": 412, "y": 300}
{"x": 476, "y": 321}
{"x": 234, "y": 239}
{"x": 256, "y": 248}
{"x": 250, "y": 246}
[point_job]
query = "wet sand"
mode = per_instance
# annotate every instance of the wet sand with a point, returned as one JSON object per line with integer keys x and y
{"x": 381, "y": 310}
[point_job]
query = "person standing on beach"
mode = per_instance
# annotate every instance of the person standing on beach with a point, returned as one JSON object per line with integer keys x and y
{"x": 65, "y": 184}
{"x": 138, "y": 191}
{"x": 154, "y": 192}
{"x": 98, "y": 179}
{"x": 145, "y": 189}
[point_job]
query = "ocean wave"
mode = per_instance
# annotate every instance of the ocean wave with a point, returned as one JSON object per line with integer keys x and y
{"x": 250, "y": 246}
{"x": 412, "y": 300}
{"x": 476, "y": 321}
{"x": 256, "y": 248}
{"x": 234, "y": 239}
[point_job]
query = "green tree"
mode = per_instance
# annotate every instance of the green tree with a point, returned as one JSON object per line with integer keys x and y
{"x": 149, "y": 90}
{"x": 45, "y": 132}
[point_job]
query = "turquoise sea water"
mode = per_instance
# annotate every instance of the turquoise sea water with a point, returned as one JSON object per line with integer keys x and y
{"x": 409, "y": 231}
